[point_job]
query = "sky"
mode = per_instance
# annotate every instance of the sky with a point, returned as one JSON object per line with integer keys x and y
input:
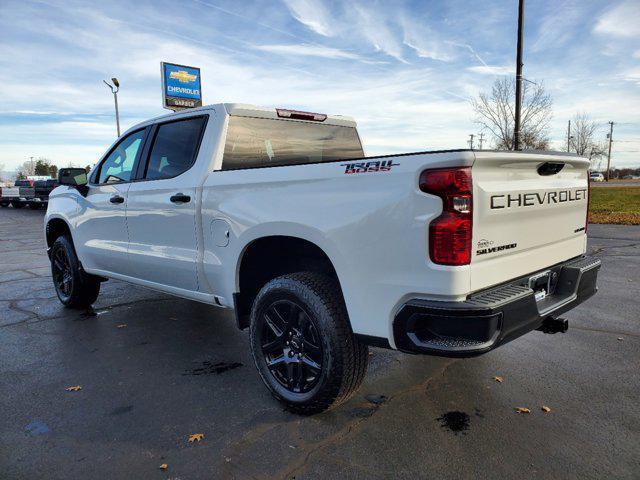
{"x": 406, "y": 71}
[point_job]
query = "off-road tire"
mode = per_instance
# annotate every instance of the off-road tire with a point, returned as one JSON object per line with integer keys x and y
{"x": 344, "y": 358}
{"x": 4, "y": 204}
{"x": 81, "y": 289}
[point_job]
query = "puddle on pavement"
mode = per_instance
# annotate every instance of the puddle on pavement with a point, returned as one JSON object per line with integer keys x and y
{"x": 209, "y": 368}
{"x": 457, "y": 422}
{"x": 37, "y": 427}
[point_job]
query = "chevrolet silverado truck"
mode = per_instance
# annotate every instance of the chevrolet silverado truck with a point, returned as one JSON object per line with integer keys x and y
{"x": 322, "y": 251}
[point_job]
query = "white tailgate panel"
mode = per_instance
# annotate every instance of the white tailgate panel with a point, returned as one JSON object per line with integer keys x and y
{"x": 524, "y": 221}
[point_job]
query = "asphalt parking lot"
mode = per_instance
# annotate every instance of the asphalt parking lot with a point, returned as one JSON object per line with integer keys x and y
{"x": 155, "y": 369}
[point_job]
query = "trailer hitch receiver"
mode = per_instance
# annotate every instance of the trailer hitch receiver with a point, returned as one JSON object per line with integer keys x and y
{"x": 554, "y": 325}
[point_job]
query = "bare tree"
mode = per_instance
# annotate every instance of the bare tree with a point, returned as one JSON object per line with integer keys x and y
{"x": 582, "y": 133}
{"x": 27, "y": 168}
{"x": 496, "y": 112}
{"x": 583, "y": 142}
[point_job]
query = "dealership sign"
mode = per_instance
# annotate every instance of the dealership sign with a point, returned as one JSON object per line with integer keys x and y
{"x": 180, "y": 86}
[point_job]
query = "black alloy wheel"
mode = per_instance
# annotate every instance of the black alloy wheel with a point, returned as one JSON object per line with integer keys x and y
{"x": 302, "y": 343}
{"x": 291, "y": 346}
{"x": 62, "y": 273}
{"x": 75, "y": 288}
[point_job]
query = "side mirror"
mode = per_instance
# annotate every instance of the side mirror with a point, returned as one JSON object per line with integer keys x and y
{"x": 74, "y": 177}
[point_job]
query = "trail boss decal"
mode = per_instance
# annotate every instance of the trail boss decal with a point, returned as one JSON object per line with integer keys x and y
{"x": 535, "y": 198}
{"x": 365, "y": 167}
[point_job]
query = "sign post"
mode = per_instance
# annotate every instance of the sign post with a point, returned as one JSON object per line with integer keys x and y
{"x": 180, "y": 86}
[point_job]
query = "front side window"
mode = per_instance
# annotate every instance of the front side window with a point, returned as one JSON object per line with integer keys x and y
{"x": 263, "y": 142}
{"x": 117, "y": 167}
{"x": 174, "y": 148}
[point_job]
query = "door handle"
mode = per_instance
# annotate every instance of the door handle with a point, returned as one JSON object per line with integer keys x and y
{"x": 116, "y": 199}
{"x": 180, "y": 198}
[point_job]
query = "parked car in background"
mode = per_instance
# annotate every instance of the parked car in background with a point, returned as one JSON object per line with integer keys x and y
{"x": 16, "y": 195}
{"x": 596, "y": 177}
{"x": 27, "y": 192}
{"x": 34, "y": 193}
{"x": 41, "y": 191}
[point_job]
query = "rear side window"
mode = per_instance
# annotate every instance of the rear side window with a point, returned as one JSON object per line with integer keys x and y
{"x": 175, "y": 147}
{"x": 117, "y": 167}
{"x": 263, "y": 142}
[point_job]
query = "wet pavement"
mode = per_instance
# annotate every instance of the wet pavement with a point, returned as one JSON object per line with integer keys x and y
{"x": 154, "y": 370}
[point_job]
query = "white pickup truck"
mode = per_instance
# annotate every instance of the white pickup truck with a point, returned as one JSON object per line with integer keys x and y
{"x": 322, "y": 251}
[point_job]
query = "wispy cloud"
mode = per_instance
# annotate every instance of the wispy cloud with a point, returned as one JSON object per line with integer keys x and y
{"x": 632, "y": 75}
{"x": 492, "y": 70}
{"x": 425, "y": 41}
{"x": 307, "y": 50}
{"x": 621, "y": 21}
{"x": 557, "y": 29}
{"x": 471, "y": 50}
{"x": 375, "y": 27}
{"x": 313, "y": 14}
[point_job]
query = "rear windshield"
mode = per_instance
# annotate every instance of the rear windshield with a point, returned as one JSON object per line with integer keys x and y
{"x": 263, "y": 142}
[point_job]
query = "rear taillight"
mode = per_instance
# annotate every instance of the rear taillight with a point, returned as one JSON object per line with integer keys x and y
{"x": 586, "y": 221}
{"x": 450, "y": 233}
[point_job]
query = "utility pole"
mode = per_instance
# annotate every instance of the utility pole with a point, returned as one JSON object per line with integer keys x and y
{"x": 114, "y": 89}
{"x": 609, "y": 155}
{"x": 470, "y": 142}
{"x": 481, "y": 135}
{"x": 568, "y": 136}
{"x": 516, "y": 130}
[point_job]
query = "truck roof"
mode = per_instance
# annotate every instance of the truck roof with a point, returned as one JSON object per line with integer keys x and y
{"x": 246, "y": 110}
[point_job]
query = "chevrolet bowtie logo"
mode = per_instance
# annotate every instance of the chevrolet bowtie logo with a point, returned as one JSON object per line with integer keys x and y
{"x": 182, "y": 76}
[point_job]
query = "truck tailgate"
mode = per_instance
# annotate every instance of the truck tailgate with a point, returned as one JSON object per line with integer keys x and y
{"x": 10, "y": 192}
{"x": 27, "y": 192}
{"x": 529, "y": 212}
